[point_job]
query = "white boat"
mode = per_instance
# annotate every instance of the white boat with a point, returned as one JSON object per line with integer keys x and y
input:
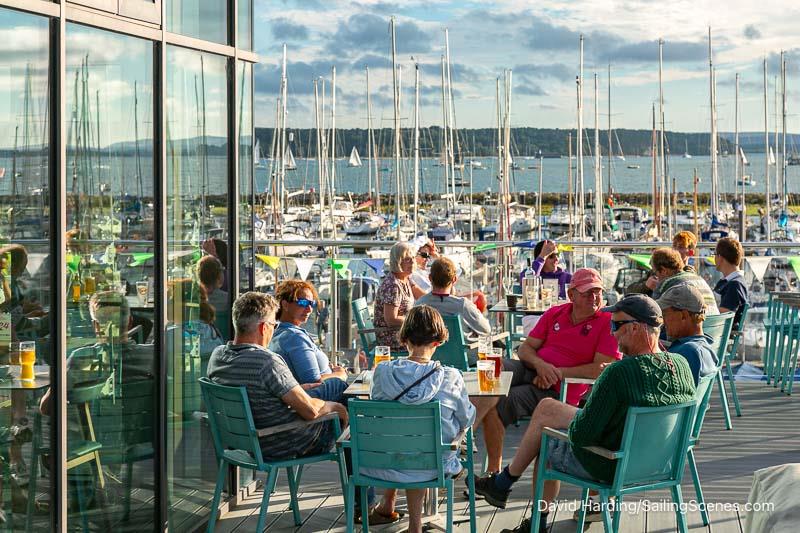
{"x": 289, "y": 162}
{"x": 560, "y": 220}
{"x": 355, "y": 159}
{"x": 364, "y": 223}
{"x": 523, "y": 219}
{"x": 746, "y": 181}
{"x": 634, "y": 167}
{"x": 630, "y": 220}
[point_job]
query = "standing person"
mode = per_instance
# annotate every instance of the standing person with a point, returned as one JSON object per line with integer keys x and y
{"x": 546, "y": 265}
{"x": 570, "y": 340}
{"x": 418, "y": 380}
{"x": 731, "y": 288}
{"x": 309, "y": 365}
{"x": 646, "y": 377}
{"x": 443, "y": 277}
{"x": 395, "y": 296}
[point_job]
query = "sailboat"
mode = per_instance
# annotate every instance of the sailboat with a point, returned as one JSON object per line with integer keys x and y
{"x": 355, "y": 159}
{"x": 686, "y": 154}
{"x": 771, "y": 157}
{"x": 290, "y": 163}
{"x": 261, "y": 161}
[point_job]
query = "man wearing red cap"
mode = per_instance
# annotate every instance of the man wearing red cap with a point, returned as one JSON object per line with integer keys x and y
{"x": 570, "y": 340}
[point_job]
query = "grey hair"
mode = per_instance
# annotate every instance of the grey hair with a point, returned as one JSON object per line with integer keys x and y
{"x": 110, "y": 307}
{"x": 252, "y": 308}
{"x": 396, "y": 255}
{"x": 653, "y": 331}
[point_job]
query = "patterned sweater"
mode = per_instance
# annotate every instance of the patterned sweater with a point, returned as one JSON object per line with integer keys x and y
{"x": 649, "y": 380}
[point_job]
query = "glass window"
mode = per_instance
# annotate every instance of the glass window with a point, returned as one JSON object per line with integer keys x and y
{"x": 25, "y": 255}
{"x": 198, "y": 307}
{"x": 111, "y": 362}
{"x": 244, "y": 81}
{"x": 202, "y": 19}
{"x": 245, "y": 25}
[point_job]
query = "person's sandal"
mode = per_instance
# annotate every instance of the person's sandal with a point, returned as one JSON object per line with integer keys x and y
{"x": 376, "y": 518}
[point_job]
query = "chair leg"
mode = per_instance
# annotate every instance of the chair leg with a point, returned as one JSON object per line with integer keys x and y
{"x": 605, "y": 505}
{"x": 348, "y": 501}
{"x": 582, "y": 510}
{"x": 449, "y": 525}
{"x": 680, "y": 515}
{"x": 364, "y": 509}
{"x": 792, "y": 367}
{"x": 126, "y": 515}
{"x": 212, "y": 518}
{"x": 697, "y": 488}
{"x": 539, "y": 486}
{"x": 350, "y": 508}
{"x": 34, "y": 476}
{"x": 298, "y": 474}
{"x": 617, "y": 512}
{"x": 272, "y": 477}
{"x": 732, "y": 383}
{"x": 471, "y": 482}
{"x": 724, "y": 399}
{"x": 290, "y": 474}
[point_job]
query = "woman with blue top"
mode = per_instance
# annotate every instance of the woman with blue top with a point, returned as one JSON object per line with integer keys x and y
{"x": 419, "y": 380}
{"x": 309, "y": 365}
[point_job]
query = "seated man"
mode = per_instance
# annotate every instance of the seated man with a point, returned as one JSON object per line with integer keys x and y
{"x": 646, "y": 377}
{"x": 569, "y": 340}
{"x": 684, "y": 311}
{"x": 275, "y": 396}
{"x": 731, "y": 288}
{"x": 669, "y": 270}
{"x": 443, "y": 277}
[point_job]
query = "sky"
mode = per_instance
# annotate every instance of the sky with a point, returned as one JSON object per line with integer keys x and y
{"x": 539, "y": 42}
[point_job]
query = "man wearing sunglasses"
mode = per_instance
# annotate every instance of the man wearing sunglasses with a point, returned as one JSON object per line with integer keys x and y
{"x": 645, "y": 377}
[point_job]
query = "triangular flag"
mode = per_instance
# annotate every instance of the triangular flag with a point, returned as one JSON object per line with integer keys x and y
{"x": 304, "y": 266}
{"x": 139, "y": 258}
{"x": 525, "y": 244}
{"x": 642, "y": 260}
{"x": 795, "y": 262}
{"x": 759, "y": 265}
{"x": 375, "y": 264}
{"x": 270, "y": 260}
{"x": 73, "y": 262}
{"x": 711, "y": 260}
{"x": 340, "y": 266}
{"x": 487, "y": 246}
{"x": 565, "y": 248}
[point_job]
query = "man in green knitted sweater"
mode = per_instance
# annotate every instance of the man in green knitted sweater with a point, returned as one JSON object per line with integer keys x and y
{"x": 645, "y": 377}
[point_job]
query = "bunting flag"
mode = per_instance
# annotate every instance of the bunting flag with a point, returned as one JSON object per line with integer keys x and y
{"x": 795, "y": 262}
{"x": 642, "y": 260}
{"x": 340, "y": 266}
{"x": 73, "y": 262}
{"x": 304, "y": 267}
{"x": 483, "y": 247}
{"x": 565, "y": 247}
{"x": 270, "y": 260}
{"x": 139, "y": 258}
{"x": 759, "y": 265}
{"x": 711, "y": 260}
{"x": 375, "y": 264}
{"x": 525, "y": 244}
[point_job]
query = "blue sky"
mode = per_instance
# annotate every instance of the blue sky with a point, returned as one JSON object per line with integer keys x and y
{"x": 538, "y": 41}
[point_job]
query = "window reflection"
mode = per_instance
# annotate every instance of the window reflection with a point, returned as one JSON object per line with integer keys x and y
{"x": 245, "y": 24}
{"x": 202, "y": 19}
{"x": 24, "y": 255}
{"x": 244, "y": 81}
{"x": 111, "y": 361}
{"x": 198, "y": 307}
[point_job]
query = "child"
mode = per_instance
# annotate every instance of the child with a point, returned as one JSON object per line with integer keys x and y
{"x": 422, "y": 331}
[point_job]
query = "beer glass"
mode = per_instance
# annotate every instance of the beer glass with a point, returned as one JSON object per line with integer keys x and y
{"x": 382, "y": 353}
{"x": 27, "y": 356}
{"x": 486, "y": 379}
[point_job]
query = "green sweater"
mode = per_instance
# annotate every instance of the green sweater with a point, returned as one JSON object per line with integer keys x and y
{"x": 649, "y": 380}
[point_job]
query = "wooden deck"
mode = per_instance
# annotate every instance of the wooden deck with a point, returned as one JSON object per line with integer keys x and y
{"x": 767, "y": 434}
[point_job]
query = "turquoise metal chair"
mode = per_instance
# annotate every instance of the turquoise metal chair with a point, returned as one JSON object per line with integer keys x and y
{"x": 702, "y": 398}
{"x": 790, "y": 343}
{"x": 652, "y": 456}
{"x": 455, "y": 351}
{"x": 236, "y": 442}
{"x": 398, "y": 436}
{"x": 719, "y": 327}
{"x": 736, "y": 339}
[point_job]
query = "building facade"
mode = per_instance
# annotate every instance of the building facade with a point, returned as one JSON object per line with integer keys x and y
{"x": 126, "y": 180}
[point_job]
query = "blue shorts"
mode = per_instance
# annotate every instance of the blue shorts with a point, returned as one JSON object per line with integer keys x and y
{"x": 561, "y": 457}
{"x": 331, "y": 390}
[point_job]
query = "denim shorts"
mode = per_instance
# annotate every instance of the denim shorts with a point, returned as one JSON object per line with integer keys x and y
{"x": 561, "y": 457}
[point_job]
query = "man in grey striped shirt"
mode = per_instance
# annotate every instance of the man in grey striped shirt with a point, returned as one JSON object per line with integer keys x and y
{"x": 275, "y": 396}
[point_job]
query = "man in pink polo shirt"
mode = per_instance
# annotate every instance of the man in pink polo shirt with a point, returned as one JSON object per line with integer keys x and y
{"x": 570, "y": 340}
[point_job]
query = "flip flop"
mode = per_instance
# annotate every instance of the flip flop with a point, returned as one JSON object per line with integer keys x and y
{"x": 376, "y": 518}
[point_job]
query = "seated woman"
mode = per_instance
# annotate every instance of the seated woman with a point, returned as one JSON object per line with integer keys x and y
{"x": 395, "y": 296}
{"x": 422, "y": 331}
{"x": 309, "y": 365}
{"x": 188, "y": 307}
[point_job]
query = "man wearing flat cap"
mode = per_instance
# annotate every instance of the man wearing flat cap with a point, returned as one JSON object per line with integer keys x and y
{"x": 684, "y": 310}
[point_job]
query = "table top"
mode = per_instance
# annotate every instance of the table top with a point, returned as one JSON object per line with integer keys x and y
{"x": 502, "y": 307}
{"x": 41, "y": 379}
{"x": 359, "y": 388}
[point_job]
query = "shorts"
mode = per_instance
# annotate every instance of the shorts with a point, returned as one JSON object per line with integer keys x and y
{"x": 561, "y": 457}
{"x": 331, "y": 390}
{"x": 523, "y": 397}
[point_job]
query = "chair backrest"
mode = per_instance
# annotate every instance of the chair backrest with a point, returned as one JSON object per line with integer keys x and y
{"x": 364, "y": 321}
{"x": 230, "y": 418}
{"x": 702, "y": 398}
{"x": 126, "y": 421}
{"x": 394, "y": 435}
{"x": 654, "y": 445}
{"x": 743, "y": 316}
{"x": 719, "y": 327}
{"x": 454, "y": 351}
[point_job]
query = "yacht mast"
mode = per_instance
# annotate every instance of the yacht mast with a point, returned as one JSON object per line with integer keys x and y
{"x": 766, "y": 157}
{"x": 610, "y": 153}
{"x": 450, "y": 116}
{"x": 320, "y": 173}
{"x": 332, "y": 184}
{"x": 598, "y": 175}
{"x": 444, "y": 159}
{"x": 579, "y": 188}
{"x": 713, "y": 144}
{"x": 782, "y": 184}
{"x": 662, "y": 143}
{"x": 416, "y": 145}
{"x": 370, "y": 155}
{"x": 396, "y": 129}
{"x": 738, "y": 165}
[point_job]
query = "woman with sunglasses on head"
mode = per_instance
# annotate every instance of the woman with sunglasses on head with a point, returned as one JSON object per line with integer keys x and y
{"x": 309, "y": 365}
{"x": 546, "y": 265}
{"x": 426, "y": 254}
{"x": 396, "y": 295}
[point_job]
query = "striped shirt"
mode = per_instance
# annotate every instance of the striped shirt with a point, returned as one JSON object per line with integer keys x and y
{"x": 267, "y": 379}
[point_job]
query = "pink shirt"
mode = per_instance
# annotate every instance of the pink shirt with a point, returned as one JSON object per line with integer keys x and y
{"x": 567, "y": 344}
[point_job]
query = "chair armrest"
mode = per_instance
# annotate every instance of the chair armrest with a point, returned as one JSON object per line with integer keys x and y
{"x": 597, "y": 450}
{"x": 585, "y": 381}
{"x": 280, "y": 428}
{"x": 473, "y": 345}
{"x": 344, "y": 438}
{"x": 555, "y": 433}
{"x": 495, "y": 337}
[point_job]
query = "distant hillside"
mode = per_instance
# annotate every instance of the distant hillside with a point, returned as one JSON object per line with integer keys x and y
{"x": 483, "y": 142}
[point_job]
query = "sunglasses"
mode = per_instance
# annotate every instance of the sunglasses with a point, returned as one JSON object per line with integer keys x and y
{"x": 617, "y": 324}
{"x": 304, "y": 302}
{"x": 424, "y": 255}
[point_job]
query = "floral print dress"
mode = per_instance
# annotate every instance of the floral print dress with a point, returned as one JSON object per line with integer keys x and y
{"x": 394, "y": 292}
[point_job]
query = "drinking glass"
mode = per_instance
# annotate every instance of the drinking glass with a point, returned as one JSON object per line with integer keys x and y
{"x": 496, "y": 357}
{"x": 484, "y": 347}
{"x": 382, "y": 353}
{"x": 142, "y": 291}
{"x": 486, "y": 379}
{"x": 76, "y": 291}
{"x": 13, "y": 353}
{"x": 27, "y": 356}
{"x": 89, "y": 285}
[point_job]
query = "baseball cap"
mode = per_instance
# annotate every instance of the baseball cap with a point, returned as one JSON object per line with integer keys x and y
{"x": 684, "y": 297}
{"x": 585, "y": 279}
{"x": 640, "y": 307}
